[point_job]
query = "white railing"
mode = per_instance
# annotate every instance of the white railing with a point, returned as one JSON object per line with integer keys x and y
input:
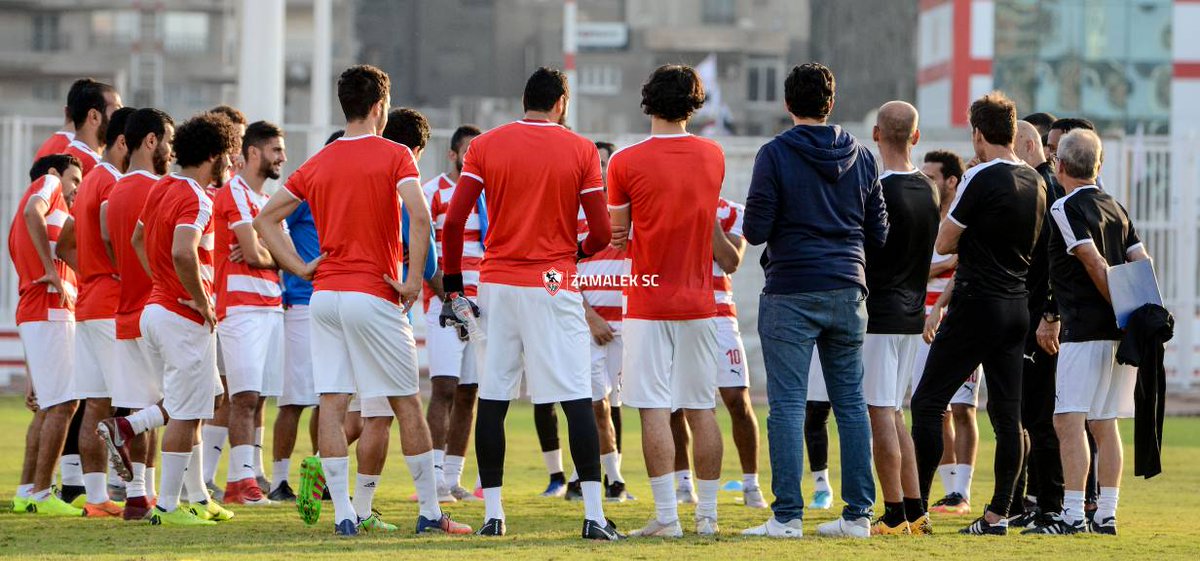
{"x": 1137, "y": 171}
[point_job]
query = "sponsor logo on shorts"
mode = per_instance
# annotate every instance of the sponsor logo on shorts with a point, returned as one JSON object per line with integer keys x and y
{"x": 552, "y": 280}
{"x": 581, "y": 282}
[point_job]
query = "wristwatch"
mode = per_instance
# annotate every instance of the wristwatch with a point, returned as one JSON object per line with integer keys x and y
{"x": 1051, "y": 317}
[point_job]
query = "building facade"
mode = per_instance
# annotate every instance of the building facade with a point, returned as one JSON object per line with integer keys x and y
{"x": 467, "y": 60}
{"x": 1114, "y": 62}
{"x": 178, "y": 55}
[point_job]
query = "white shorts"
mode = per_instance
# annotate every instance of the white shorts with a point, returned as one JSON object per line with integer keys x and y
{"x": 606, "y": 370}
{"x": 95, "y": 358}
{"x": 297, "y": 359}
{"x": 732, "y": 371}
{"x": 670, "y": 364}
{"x": 816, "y": 379}
{"x": 1090, "y": 381}
{"x": 370, "y": 407}
{"x": 448, "y": 355}
{"x": 888, "y": 361}
{"x": 50, "y": 356}
{"x": 139, "y": 384}
{"x": 967, "y": 394}
{"x": 535, "y": 335}
{"x": 361, "y": 344}
{"x": 186, "y": 353}
{"x": 252, "y": 346}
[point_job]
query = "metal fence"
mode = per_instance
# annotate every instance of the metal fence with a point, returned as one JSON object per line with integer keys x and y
{"x": 1155, "y": 178}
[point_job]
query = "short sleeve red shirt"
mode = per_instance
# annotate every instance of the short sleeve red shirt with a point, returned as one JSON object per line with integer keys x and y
{"x": 88, "y": 157}
{"x": 176, "y": 202}
{"x": 99, "y": 289}
{"x": 238, "y": 284}
{"x": 533, "y": 174}
{"x": 35, "y": 301}
{"x": 56, "y": 144}
{"x": 671, "y": 185}
{"x": 124, "y": 208}
{"x": 351, "y": 186}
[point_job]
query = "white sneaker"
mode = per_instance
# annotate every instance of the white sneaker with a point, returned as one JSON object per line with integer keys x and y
{"x": 753, "y": 498}
{"x": 686, "y": 496}
{"x": 707, "y": 526}
{"x": 656, "y": 529}
{"x": 842, "y": 528}
{"x": 446, "y": 495}
{"x": 460, "y": 493}
{"x": 774, "y": 529}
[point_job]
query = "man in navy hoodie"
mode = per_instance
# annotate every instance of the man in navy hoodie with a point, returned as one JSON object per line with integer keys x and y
{"x": 816, "y": 201}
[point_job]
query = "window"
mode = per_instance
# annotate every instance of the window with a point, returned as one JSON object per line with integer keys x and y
{"x": 46, "y": 90}
{"x": 46, "y": 36}
{"x": 115, "y": 27}
{"x": 762, "y": 80}
{"x": 599, "y": 79}
{"x": 719, "y": 12}
{"x": 185, "y": 32}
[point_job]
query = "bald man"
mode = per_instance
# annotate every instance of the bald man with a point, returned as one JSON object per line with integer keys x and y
{"x": 896, "y": 277}
{"x": 1038, "y": 495}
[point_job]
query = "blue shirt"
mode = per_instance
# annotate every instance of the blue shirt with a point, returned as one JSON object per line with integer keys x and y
{"x": 297, "y": 291}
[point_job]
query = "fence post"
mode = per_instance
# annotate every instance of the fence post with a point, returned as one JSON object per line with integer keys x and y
{"x": 1185, "y": 179}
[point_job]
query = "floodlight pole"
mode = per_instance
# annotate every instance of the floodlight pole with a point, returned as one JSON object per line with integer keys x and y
{"x": 260, "y": 67}
{"x": 320, "y": 73}
{"x": 570, "y": 11}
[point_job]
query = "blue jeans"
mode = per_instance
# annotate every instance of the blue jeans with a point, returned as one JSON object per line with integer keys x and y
{"x": 789, "y": 325}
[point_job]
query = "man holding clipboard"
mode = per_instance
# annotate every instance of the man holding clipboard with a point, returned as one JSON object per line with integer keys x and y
{"x": 1092, "y": 232}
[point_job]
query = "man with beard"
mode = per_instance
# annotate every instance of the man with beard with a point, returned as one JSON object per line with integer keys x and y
{"x": 90, "y": 111}
{"x": 149, "y": 135}
{"x": 173, "y": 239}
{"x": 90, "y": 107}
{"x": 45, "y": 318}
{"x": 82, "y": 246}
{"x": 249, "y": 305}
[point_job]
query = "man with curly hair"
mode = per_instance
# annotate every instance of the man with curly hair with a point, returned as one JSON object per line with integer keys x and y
{"x": 174, "y": 241}
{"x": 667, "y": 188}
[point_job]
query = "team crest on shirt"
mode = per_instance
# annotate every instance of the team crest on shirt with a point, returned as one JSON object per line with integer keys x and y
{"x": 552, "y": 279}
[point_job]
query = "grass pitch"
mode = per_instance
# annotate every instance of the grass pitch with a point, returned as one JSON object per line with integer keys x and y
{"x": 1158, "y": 518}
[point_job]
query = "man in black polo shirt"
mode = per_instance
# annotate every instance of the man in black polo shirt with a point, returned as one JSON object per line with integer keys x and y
{"x": 1048, "y": 330}
{"x": 993, "y": 226}
{"x": 896, "y": 277}
{"x": 1042, "y": 495}
{"x": 1091, "y": 233}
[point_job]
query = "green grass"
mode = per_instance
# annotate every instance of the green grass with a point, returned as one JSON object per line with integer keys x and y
{"x": 1158, "y": 518}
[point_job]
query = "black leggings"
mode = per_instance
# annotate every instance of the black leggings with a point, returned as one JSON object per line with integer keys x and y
{"x": 545, "y": 420}
{"x": 71, "y": 446}
{"x": 1044, "y": 466}
{"x": 816, "y": 435}
{"x": 987, "y": 331}
{"x": 490, "y": 443}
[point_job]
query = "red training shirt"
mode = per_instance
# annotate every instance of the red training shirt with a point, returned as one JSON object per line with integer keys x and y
{"x": 40, "y": 302}
{"x": 99, "y": 289}
{"x": 671, "y": 184}
{"x": 533, "y": 175}
{"x": 352, "y": 188}
{"x": 176, "y": 202}
{"x": 238, "y": 284}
